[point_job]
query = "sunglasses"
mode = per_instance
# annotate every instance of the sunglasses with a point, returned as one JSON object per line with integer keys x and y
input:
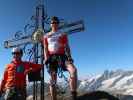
{"x": 54, "y": 22}
{"x": 16, "y": 53}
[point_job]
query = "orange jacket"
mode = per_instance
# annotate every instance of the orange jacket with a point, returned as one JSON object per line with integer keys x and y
{"x": 15, "y": 74}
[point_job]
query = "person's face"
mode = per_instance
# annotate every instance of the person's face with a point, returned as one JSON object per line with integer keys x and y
{"x": 17, "y": 55}
{"x": 54, "y": 23}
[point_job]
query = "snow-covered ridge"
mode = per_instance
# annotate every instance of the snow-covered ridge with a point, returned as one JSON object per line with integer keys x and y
{"x": 118, "y": 81}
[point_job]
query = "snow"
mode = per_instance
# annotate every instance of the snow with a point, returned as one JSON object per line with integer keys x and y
{"x": 109, "y": 82}
{"x": 118, "y": 81}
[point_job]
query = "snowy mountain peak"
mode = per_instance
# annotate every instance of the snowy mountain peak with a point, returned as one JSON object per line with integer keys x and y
{"x": 118, "y": 81}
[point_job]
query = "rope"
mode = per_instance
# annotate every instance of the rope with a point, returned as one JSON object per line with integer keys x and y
{"x": 60, "y": 70}
{"x": 60, "y": 73}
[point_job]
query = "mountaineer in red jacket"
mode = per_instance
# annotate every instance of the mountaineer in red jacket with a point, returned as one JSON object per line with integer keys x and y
{"x": 56, "y": 46}
{"x": 13, "y": 83}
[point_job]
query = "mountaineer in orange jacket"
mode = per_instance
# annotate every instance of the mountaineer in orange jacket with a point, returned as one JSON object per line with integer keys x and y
{"x": 13, "y": 83}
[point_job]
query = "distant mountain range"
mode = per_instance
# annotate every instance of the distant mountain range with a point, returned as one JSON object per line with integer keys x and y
{"x": 118, "y": 83}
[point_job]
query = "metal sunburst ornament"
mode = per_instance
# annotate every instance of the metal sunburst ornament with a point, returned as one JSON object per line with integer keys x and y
{"x": 37, "y": 35}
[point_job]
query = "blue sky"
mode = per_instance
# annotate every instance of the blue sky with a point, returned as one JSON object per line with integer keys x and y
{"x": 106, "y": 42}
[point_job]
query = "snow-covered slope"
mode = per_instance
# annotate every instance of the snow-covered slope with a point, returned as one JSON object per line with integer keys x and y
{"x": 118, "y": 81}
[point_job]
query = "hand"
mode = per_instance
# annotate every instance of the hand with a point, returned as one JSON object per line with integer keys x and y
{"x": 70, "y": 59}
{"x": 27, "y": 71}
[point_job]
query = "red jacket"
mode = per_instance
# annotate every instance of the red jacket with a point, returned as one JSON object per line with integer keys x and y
{"x": 15, "y": 74}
